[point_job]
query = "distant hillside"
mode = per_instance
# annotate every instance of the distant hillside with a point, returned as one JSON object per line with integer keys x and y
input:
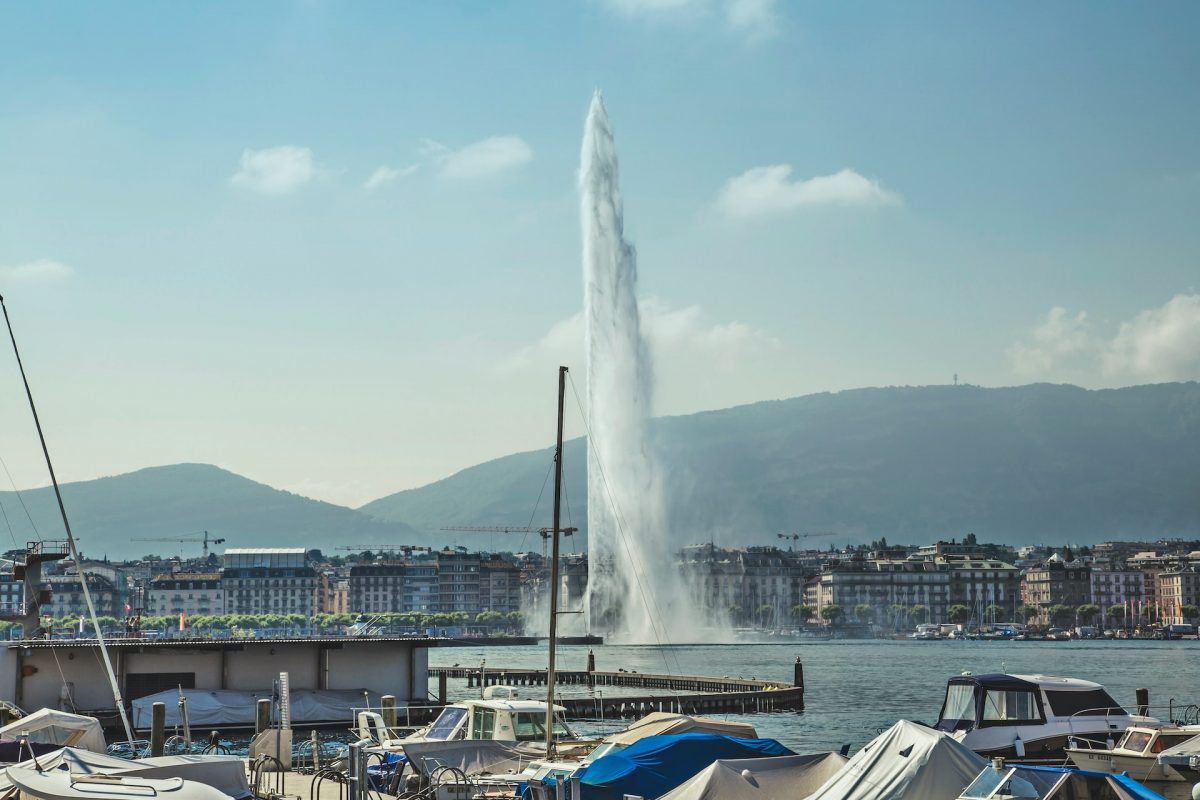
{"x": 1020, "y": 465}
{"x": 182, "y": 498}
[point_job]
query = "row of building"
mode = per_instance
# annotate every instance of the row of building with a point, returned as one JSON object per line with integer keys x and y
{"x": 762, "y": 586}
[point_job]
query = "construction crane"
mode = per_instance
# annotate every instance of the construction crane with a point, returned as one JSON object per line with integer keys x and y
{"x": 188, "y": 538}
{"x": 545, "y": 533}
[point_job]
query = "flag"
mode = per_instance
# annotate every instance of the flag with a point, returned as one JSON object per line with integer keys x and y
{"x": 182, "y": 620}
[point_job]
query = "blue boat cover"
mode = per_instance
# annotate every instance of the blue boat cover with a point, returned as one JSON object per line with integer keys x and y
{"x": 655, "y": 765}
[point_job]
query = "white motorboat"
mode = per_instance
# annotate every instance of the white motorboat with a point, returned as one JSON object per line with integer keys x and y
{"x": 1136, "y": 753}
{"x": 1030, "y": 716}
{"x": 63, "y": 784}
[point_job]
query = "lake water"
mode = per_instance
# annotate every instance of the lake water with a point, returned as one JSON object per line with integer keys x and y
{"x": 854, "y": 689}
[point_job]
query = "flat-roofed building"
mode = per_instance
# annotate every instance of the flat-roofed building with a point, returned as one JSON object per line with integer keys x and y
{"x": 269, "y": 580}
{"x": 190, "y": 593}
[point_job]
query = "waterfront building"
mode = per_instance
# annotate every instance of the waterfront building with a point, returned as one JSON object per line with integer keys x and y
{"x": 12, "y": 593}
{"x": 1056, "y": 582}
{"x": 458, "y": 581}
{"x": 337, "y": 598}
{"x": 499, "y": 586}
{"x": 66, "y": 596}
{"x": 269, "y": 580}
{"x": 1178, "y": 588}
{"x": 753, "y": 585}
{"x": 983, "y": 583}
{"x": 189, "y": 593}
{"x": 892, "y": 588}
{"x": 1114, "y": 586}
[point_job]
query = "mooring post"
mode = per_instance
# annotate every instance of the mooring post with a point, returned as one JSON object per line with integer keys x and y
{"x": 798, "y": 680}
{"x": 158, "y": 729}
{"x": 387, "y": 709}
{"x": 1143, "y": 701}
{"x": 262, "y": 715}
{"x": 442, "y": 694}
{"x": 3, "y": 717}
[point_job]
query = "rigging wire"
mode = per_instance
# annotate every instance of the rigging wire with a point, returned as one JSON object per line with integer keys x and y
{"x": 20, "y": 499}
{"x": 533, "y": 513}
{"x": 650, "y": 603}
{"x": 87, "y": 595}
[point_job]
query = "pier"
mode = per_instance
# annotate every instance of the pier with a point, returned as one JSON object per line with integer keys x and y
{"x": 691, "y": 694}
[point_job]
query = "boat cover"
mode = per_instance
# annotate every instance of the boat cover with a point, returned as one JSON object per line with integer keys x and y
{"x": 657, "y": 764}
{"x": 906, "y": 760}
{"x": 1121, "y": 784}
{"x": 225, "y": 773}
{"x": 48, "y": 726}
{"x": 664, "y": 722}
{"x": 779, "y": 778}
{"x": 62, "y": 784}
{"x": 218, "y": 707}
{"x": 472, "y": 756}
{"x": 1188, "y": 747}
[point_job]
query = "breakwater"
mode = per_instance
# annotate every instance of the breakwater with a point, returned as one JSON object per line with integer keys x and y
{"x": 688, "y": 694}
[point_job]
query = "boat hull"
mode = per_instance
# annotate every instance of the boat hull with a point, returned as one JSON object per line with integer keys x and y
{"x": 1138, "y": 767}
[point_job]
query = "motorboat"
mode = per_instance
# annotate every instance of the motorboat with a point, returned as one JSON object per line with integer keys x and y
{"x": 1184, "y": 758}
{"x": 1030, "y": 716}
{"x": 926, "y": 633}
{"x": 1136, "y": 753}
{"x": 1000, "y": 781}
{"x": 492, "y": 718}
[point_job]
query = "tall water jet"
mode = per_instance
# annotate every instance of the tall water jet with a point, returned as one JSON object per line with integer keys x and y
{"x": 633, "y": 584}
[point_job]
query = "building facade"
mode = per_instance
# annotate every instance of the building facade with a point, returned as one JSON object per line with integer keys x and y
{"x": 269, "y": 580}
{"x": 1178, "y": 589}
{"x": 458, "y": 581}
{"x": 190, "y": 593}
{"x": 1056, "y": 582}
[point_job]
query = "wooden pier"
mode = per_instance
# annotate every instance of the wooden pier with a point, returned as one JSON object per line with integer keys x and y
{"x": 690, "y": 694}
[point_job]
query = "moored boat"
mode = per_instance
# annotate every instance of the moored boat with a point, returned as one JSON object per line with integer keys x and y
{"x": 1136, "y": 753}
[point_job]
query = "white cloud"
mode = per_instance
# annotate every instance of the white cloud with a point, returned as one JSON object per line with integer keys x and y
{"x": 275, "y": 170}
{"x": 764, "y": 191}
{"x": 1060, "y": 339}
{"x": 673, "y": 334}
{"x": 1159, "y": 344}
{"x": 42, "y": 270}
{"x": 386, "y": 174}
{"x": 482, "y": 159}
{"x": 753, "y": 18}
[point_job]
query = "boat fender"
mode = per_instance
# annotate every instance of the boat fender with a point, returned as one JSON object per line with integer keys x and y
{"x": 1019, "y": 746}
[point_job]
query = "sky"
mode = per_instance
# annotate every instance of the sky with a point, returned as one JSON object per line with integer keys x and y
{"x": 334, "y": 247}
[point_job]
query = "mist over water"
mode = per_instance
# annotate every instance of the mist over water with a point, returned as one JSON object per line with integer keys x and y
{"x": 635, "y": 593}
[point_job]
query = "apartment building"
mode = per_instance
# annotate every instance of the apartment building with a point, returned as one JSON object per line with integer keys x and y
{"x": 269, "y": 580}
{"x": 190, "y": 593}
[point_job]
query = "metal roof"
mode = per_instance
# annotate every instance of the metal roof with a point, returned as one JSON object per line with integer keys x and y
{"x": 219, "y": 644}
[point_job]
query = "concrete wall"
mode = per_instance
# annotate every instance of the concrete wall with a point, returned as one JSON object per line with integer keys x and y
{"x": 206, "y": 664}
{"x": 381, "y": 667}
{"x": 259, "y": 665}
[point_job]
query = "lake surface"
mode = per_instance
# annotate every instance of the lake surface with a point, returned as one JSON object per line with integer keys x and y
{"x": 854, "y": 689}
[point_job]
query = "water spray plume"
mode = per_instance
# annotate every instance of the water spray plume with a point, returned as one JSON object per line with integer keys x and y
{"x": 635, "y": 593}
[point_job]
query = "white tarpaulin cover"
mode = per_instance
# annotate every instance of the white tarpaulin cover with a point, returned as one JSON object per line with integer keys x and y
{"x": 659, "y": 723}
{"x": 48, "y": 726}
{"x": 217, "y": 707}
{"x": 905, "y": 761}
{"x": 225, "y": 773}
{"x": 61, "y": 784}
{"x": 779, "y": 778}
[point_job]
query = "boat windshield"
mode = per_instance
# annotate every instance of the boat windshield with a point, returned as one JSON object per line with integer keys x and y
{"x": 1135, "y": 741}
{"x": 531, "y": 727}
{"x": 1003, "y": 706}
{"x": 958, "y": 712}
{"x": 447, "y": 721}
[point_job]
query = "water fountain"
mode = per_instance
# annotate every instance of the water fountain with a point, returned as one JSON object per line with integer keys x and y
{"x": 633, "y": 584}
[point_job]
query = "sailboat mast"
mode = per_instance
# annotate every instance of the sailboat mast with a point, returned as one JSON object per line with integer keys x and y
{"x": 87, "y": 595}
{"x": 562, "y": 388}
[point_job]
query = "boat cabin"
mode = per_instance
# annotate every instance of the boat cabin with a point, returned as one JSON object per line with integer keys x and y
{"x": 497, "y": 720}
{"x": 999, "y": 700}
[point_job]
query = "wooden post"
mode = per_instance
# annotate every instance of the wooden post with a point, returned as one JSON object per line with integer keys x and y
{"x": 262, "y": 715}
{"x": 387, "y": 708}
{"x": 591, "y": 668}
{"x": 442, "y": 694}
{"x": 798, "y": 680}
{"x": 1143, "y": 701}
{"x": 158, "y": 729}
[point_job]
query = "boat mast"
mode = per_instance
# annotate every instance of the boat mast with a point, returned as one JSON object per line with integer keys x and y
{"x": 562, "y": 387}
{"x": 87, "y": 595}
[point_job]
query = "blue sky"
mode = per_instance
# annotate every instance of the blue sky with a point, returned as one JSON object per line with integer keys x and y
{"x": 335, "y": 247}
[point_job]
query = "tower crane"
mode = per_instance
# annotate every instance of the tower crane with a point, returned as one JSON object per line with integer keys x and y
{"x": 407, "y": 549}
{"x": 187, "y": 538}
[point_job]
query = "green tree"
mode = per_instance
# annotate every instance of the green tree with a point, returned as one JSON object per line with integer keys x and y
{"x": 765, "y": 615}
{"x": 993, "y": 612}
{"x": 1117, "y": 612}
{"x": 735, "y": 614}
{"x": 864, "y": 613}
{"x": 1029, "y": 611}
{"x": 802, "y": 613}
{"x": 899, "y": 612}
{"x": 1189, "y": 611}
{"x": 1062, "y": 614}
{"x": 1087, "y": 612}
{"x": 959, "y": 613}
{"x": 833, "y": 614}
{"x": 516, "y": 619}
{"x": 919, "y": 612}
